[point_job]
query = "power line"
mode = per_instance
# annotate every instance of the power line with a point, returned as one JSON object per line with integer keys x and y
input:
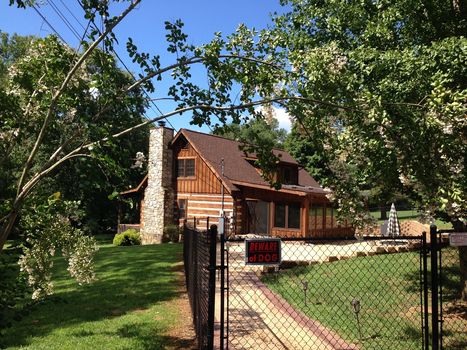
{"x": 64, "y": 19}
{"x": 71, "y": 27}
{"x": 71, "y": 13}
{"x": 48, "y": 23}
{"x": 132, "y": 75}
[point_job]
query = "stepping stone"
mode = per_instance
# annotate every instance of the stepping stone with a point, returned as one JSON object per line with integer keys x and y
{"x": 380, "y": 250}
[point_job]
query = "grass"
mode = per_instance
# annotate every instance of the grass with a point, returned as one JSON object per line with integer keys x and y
{"x": 128, "y": 307}
{"x": 388, "y": 289}
{"x": 411, "y": 215}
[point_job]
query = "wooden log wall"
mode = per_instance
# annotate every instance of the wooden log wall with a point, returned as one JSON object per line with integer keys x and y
{"x": 200, "y": 206}
{"x": 204, "y": 181}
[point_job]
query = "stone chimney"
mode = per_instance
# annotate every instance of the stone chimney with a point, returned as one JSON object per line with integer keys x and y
{"x": 159, "y": 195}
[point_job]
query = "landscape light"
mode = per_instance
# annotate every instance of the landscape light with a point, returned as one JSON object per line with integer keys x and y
{"x": 356, "y": 309}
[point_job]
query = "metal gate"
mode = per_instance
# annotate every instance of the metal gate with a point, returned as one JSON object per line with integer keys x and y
{"x": 365, "y": 294}
{"x": 449, "y": 312}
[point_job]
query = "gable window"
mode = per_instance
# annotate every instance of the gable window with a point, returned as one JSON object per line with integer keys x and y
{"x": 287, "y": 215}
{"x": 186, "y": 167}
{"x": 287, "y": 175}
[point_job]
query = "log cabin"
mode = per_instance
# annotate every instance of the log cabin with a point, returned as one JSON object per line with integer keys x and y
{"x": 194, "y": 176}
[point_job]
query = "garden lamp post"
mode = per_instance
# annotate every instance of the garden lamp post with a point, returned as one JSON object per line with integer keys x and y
{"x": 356, "y": 309}
{"x": 305, "y": 288}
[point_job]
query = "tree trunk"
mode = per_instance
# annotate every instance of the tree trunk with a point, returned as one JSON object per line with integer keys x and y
{"x": 7, "y": 227}
{"x": 383, "y": 215}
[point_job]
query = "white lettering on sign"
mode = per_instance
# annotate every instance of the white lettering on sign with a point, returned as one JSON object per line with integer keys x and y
{"x": 458, "y": 239}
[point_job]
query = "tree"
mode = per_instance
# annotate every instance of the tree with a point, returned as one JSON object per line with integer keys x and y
{"x": 99, "y": 176}
{"x": 390, "y": 78}
{"x": 382, "y": 81}
{"x": 11, "y": 49}
{"x": 257, "y": 131}
{"x": 63, "y": 100}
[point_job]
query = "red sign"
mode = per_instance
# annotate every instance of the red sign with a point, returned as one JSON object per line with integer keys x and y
{"x": 263, "y": 251}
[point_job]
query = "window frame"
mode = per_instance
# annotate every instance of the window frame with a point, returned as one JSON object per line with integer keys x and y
{"x": 292, "y": 173}
{"x": 184, "y": 160}
{"x": 286, "y": 213}
{"x": 182, "y": 208}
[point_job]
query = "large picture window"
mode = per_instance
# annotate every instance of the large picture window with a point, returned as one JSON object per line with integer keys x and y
{"x": 293, "y": 216}
{"x": 279, "y": 215}
{"x": 186, "y": 167}
{"x": 287, "y": 215}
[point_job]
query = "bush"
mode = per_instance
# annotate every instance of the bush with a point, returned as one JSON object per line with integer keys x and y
{"x": 128, "y": 237}
{"x": 14, "y": 297}
{"x": 171, "y": 233}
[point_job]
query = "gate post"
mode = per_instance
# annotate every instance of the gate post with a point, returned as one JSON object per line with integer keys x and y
{"x": 426, "y": 327}
{"x": 212, "y": 284}
{"x": 434, "y": 287}
{"x": 222, "y": 301}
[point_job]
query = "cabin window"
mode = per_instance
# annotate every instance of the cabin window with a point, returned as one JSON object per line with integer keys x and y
{"x": 294, "y": 216}
{"x": 328, "y": 218}
{"x": 186, "y": 167}
{"x": 316, "y": 217}
{"x": 323, "y": 217}
{"x": 182, "y": 209}
{"x": 279, "y": 215}
{"x": 287, "y": 215}
{"x": 287, "y": 175}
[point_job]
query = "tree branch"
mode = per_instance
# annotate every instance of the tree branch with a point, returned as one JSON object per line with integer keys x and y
{"x": 74, "y": 153}
{"x": 59, "y": 92}
{"x": 194, "y": 60}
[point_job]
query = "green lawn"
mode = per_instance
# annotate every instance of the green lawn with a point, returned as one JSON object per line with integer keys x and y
{"x": 128, "y": 307}
{"x": 387, "y": 288}
{"x": 412, "y": 215}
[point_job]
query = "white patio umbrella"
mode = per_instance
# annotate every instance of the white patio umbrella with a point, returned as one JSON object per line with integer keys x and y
{"x": 394, "y": 228}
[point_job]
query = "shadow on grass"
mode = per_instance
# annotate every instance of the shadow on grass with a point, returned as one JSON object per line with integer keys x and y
{"x": 449, "y": 278}
{"x": 129, "y": 279}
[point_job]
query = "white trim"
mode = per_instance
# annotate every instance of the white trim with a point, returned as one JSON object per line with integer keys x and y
{"x": 209, "y": 202}
{"x": 207, "y": 209}
{"x": 199, "y": 195}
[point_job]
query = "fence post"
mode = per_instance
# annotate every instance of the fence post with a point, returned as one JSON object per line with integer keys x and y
{"x": 212, "y": 284}
{"x": 223, "y": 289}
{"x": 434, "y": 287}
{"x": 426, "y": 327}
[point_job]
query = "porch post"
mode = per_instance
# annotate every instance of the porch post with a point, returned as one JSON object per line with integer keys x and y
{"x": 305, "y": 217}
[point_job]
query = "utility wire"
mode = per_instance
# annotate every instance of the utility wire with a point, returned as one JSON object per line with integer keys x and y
{"x": 48, "y": 23}
{"x": 132, "y": 75}
{"x": 64, "y": 19}
{"x": 71, "y": 13}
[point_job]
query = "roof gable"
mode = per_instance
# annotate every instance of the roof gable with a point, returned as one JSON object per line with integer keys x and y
{"x": 237, "y": 167}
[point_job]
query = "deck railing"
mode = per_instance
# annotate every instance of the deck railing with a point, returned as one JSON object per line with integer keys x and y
{"x": 123, "y": 227}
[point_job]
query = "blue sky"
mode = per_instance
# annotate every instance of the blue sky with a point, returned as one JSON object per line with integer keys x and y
{"x": 146, "y": 25}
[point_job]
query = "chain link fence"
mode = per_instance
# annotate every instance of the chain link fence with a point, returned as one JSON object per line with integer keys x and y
{"x": 452, "y": 309}
{"x": 371, "y": 293}
{"x": 328, "y": 295}
{"x": 199, "y": 252}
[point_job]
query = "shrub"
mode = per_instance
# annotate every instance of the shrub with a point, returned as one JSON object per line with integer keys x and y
{"x": 128, "y": 237}
{"x": 171, "y": 233}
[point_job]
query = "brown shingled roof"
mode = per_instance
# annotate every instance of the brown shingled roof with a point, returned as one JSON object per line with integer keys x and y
{"x": 237, "y": 168}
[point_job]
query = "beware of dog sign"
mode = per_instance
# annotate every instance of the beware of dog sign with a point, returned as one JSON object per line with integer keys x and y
{"x": 263, "y": 251}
